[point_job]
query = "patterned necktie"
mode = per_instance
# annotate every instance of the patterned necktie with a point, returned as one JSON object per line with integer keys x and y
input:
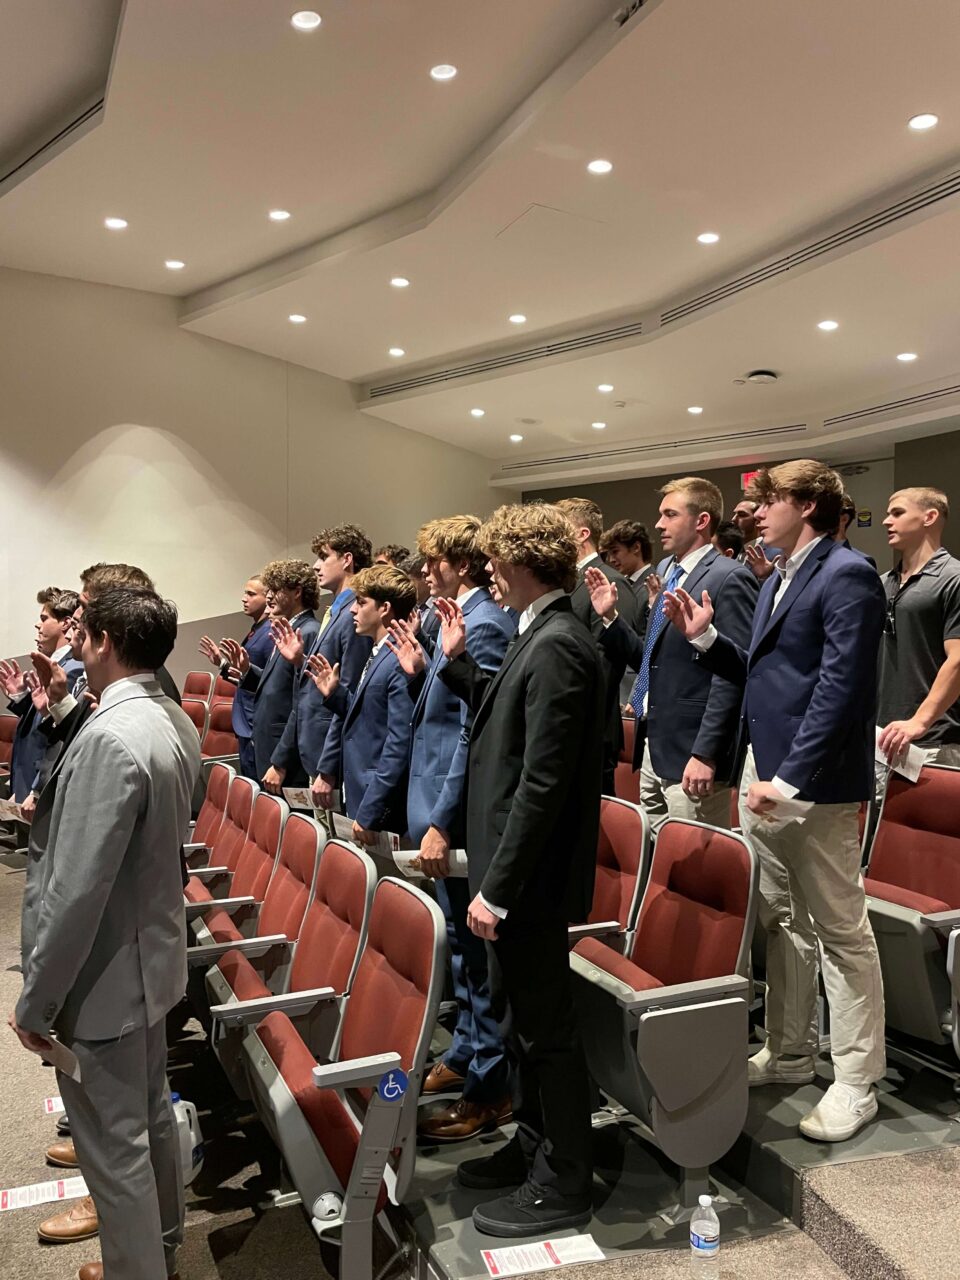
{"x": 658, "y": 620}
{"x": 326, "y": 620}
{"x": 81, "y": 686}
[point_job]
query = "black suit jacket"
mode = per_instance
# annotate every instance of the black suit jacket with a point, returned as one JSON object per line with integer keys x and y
{"x": 691, "y": 711}
{"x": 643, "y": 603}
{"x": 532, "y": 786}
{"x": 613, "y": 661}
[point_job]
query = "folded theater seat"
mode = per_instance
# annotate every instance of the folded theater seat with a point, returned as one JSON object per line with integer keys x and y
{"x": 623, "y": 863}
{"x": 665, "y": 1026}
{"x": 199, "y": 713}
{"x": 209, "y": 820}
{"x": 219, "y": 741}
{"x": 346, "y": 1129}
{"x": 913, "y": 896}
{"x": 222, "y": 897}
{"x": 627, "y": 783}
{"x": 198, "y": 684}
{"x": 319, "y": 899}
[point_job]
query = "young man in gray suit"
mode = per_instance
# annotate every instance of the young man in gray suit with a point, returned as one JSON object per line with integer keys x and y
{"x": 109, "y": 960}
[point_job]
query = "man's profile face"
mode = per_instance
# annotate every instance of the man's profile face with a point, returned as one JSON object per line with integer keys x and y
{"x": 905, "y": 522}
{"x": 366, "y": 615}
{"x": 92, "y": 657}
{"x": 441, "y": 577}
{"x": 50, "y": 632}
{"x": 625, "y": 559}
{"x": 253, "y": 600}
{"x": 75, "y": 633}
{"x": 286, "y": 602}
{"x": 780, "y": 520}
{"x": 744, "y": 515}
{"x": 331, "y": 568}
{"x": 677, "y": 525}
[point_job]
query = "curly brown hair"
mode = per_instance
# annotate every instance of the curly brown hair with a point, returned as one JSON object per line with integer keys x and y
{"x": 343, "y": 538}
{"x": 457, "y": 539}
{"x": 291, "y": 574}
{"x": 537, "y": 536}
{"x": 387, "y": 585}
{"x": 804, "y": 480}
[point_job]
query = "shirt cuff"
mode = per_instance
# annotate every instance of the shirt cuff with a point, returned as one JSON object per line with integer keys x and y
{"x": 499, "y": 912}
{"x": 786, "y": 790}
{"x": 60, "y": 710}
{"x": 706, "y": 640}
{"x": 608, "y": 622}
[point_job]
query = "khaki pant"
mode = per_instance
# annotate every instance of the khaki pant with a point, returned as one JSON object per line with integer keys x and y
{"x": 812, "y": 899}
{"x": 948, "y": 753}
{"x": 661, "y": 798}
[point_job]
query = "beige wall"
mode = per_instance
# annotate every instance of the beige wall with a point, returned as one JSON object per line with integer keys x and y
{"x": 123, "y": 437}
{"x": 934, "y": 460}
{"x": 639, "y": 500}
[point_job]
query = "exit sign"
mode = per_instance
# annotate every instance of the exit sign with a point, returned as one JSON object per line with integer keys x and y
{"x": 746, "y": 477}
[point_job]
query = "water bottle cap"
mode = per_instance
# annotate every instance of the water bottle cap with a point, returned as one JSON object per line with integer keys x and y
{"x": 174, "y": 1097}
{"x": 706, "y": 1202}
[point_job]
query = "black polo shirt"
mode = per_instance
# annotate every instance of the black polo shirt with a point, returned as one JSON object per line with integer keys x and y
{"x": 921, "y": 615}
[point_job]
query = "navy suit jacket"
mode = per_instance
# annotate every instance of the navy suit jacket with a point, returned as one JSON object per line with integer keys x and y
{"x": 309, "y": 720}
{"x": 258, "y": 643}
{"x": 368, "y": 745}
{"x": 30, "y": 741}
{"x": 810, "y": 676}
{"x": 869, "y": 559}
{"x": 690, "y": 710}
{"x": 273, "y": 686}
{"x": 440, "y": 726}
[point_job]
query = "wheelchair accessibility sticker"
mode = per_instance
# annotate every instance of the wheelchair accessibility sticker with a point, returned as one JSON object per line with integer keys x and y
{"x": 393, "y": 1085}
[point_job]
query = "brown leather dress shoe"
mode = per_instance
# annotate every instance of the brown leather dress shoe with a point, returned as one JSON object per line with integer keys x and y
{"x": 77, "y": 1223}
{"x": 440, "y": 1079}
{"x": 463, "y": 1120}
{"x": 63, "y": 1154}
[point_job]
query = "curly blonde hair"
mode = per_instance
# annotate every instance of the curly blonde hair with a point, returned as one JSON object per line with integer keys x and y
{"x": 292, "y": 574}
{"x": 386, "y": 585}
{"x": 537, "y": 536}
{"x": 457, "y": 539}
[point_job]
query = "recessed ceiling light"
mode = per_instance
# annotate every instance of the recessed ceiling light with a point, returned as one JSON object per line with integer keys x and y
{"x": 296, "y": 318}
{"x": 400, "y": 282}
{"x": 907, "y": 356}
{"x": 477, "y": 413}
{"x": 515, "y": 439}
{"x": 605, "y": 387}
{"x": 708, "y": 237}
{"x": 600, "y": 166}
{"x": 598, "y": 426}
{"x": 444, "y": 71}
{"x": 518, "y": 319}
{"x": 115, "y": 224}
{"x": 695, "y": 408}
{"x": 174, "y": 264}
{"x": 306, "y": 20}
{"x": 828, "y": 326}
{"x": 924, "y": 121}
{"x": 279, "y": 215}
{"x": 397, "y": 351}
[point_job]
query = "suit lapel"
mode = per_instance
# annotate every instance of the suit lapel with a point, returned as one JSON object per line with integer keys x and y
{"x": 516, "y": 646}
{"x": 382, "y": 655}
{"x": 798, "y": 584}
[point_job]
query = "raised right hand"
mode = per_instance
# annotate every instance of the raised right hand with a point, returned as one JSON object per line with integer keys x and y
{"x": 288, "y": 640}
{"x": 603, "y": 593}
{"x": 12, "y": 679}
{"x": 402, "y": 641}
{"x": 325, "y": 677}
{"x": 758, "y": 562}
{"x": 690, "y": 619}
{"x": 236, "y": 654}
{"x": 210, "y": 650}
{"x": 453, "y": 629}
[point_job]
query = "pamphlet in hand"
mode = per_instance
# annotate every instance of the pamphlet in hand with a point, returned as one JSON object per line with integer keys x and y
{"x": 908, "y": 765}
{"x": 298, "y": 798}
{"x": 407, "y": 861}
{"x": 64, "y": 1059}
{"x": 9, "y": 811}
{"x": 785, "y": 811}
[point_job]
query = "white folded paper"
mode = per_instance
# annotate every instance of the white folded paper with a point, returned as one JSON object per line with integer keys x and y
{"x": 64, "y": 1059}
{"x": 784, "y": 812}
{"x": 407, "y": 861}
{"x": 519, "y": 1259}
{"x": 9, "y": 812}
{"x": 298, "y": 798}
{"x": 910, "y": 763}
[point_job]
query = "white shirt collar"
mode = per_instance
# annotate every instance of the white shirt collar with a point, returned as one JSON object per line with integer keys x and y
{"x": 693, "y": 558}
{"x": 462, "y": 600}
{"x": 787, "y": 568}
{"x": 120, "y": 688}
{"x": 534, "y": 610}
{"x": 61, "y": 654}
{"x": 587, "y": 560}
{"x": 637, "y": 572}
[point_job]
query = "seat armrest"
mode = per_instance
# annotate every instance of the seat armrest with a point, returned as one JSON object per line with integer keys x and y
{"x": 212, "y": 951}
{"x": 204, "y": 874}
{"x": 602, "y": 929}
{"x": 243, "y": 1012}
{"x": 355, "y": 1071}
{"x": 704, "y": 991}
{"x": 944, "y": 921}
{"x": 189, "y": 849}
{"x": 229, "y": 905}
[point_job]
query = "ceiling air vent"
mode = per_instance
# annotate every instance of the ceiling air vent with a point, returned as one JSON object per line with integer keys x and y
{"x": 909, "y": 402}
{"x": 941, "y": 190}
{"x": 641, "y": 450}
{"x": 508, "y": 360}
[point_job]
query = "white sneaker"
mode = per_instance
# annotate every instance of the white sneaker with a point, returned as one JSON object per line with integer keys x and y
{"x": 767, "y": 1067}
{"x": 839, "y": 1114}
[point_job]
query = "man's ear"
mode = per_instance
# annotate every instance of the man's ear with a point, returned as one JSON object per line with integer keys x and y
{"x": 348, "y": 561}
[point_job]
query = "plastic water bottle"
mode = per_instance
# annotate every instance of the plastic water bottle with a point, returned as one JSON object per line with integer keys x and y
{"x": 705, "y": 1241}
{"x": 190, "y": 1137}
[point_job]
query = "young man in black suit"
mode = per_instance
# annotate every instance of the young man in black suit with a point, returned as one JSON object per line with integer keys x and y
{"x": 587, "y": 520}
{"x": 532, "y": 804}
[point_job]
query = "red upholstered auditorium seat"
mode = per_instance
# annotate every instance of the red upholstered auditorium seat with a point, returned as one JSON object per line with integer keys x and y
{"x": 229, "y": 840}
{"x": 8, "y": 727}
{"x": 629, "y": 734}
{"x": 623, "y": 849}
{"x": 219, "y": 739}
{"x": 198, "y": 684}
{"x": 223, "y": 690}
{"x": 198, "y": 712}
{"x": 214, "y": 807}
{"x": 254, "y": 868}
{"x": 626, "y": 783}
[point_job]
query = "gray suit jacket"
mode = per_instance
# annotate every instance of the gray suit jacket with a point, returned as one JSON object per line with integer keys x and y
{"x": 110, "y": 951}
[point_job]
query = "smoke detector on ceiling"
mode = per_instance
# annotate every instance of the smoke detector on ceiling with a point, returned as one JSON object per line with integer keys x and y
{"x": 762, "y": 377}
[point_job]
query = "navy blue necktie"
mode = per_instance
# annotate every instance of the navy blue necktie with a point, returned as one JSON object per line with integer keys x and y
{"x": 658, "y": 620}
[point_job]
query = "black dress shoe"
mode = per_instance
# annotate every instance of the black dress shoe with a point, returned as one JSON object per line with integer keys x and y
{"x": 532, "y": 1210}
{"x": 506, "y": 1167}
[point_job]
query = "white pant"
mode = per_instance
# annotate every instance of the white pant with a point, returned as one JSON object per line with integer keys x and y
{"x": 661, "y": 798}
{"x": 811, "y": 892}
{"x": 948, "y": 753}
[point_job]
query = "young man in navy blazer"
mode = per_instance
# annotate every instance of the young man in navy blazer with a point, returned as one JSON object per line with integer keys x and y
{"x": 686, "y": 715}
{"x": 368, "y": 742}
{"x": 455, "y": 569}
{"x": 292, "y": 595}
{"x": 810, "y": 687}
{"x": 258, "y": 643}
{"x": 341, "y": 553}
